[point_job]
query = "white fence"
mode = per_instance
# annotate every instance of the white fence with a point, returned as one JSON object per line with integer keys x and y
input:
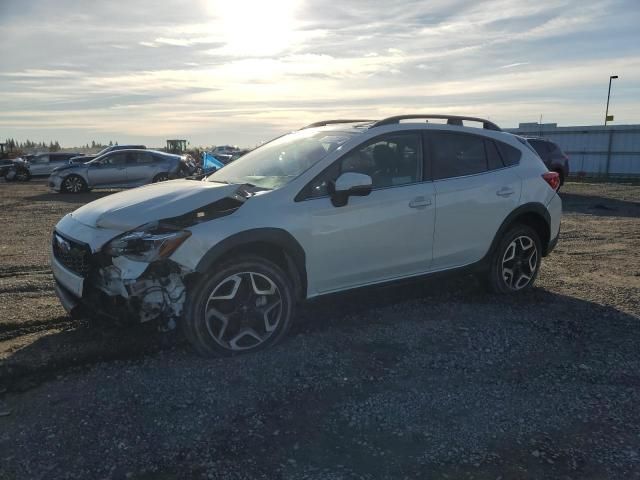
{"x": 613, "y": 150}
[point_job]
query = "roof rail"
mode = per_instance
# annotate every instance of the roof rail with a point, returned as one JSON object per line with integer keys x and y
{"x": 451, "y": 120}
{"x": 333, "y": 122}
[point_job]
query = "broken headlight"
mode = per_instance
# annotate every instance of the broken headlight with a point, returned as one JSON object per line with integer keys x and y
{"x": 147, "y": 243}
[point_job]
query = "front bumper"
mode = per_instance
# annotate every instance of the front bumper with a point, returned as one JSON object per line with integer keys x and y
{"x": 55, "y": 183}
{"x": 70, "y": 281}
{"x": 90, "y": 283}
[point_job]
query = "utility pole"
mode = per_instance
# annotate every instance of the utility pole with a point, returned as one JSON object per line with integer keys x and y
{"x": 606, "y": 114}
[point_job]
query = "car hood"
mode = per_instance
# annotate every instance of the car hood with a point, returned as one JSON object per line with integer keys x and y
{"x": 67, "y": 167}
{"x": 131, "y": 208}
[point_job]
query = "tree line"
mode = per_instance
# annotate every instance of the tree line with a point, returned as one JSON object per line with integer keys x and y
{"x": 52, "y": 146}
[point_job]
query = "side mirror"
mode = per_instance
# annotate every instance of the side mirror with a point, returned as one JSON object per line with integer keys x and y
{"x": 350, "y": 184}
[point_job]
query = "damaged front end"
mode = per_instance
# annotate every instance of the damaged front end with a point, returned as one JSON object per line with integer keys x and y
{"x": 136, "y": 280}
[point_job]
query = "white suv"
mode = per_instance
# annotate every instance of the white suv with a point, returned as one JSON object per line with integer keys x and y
{"x": 334, "y": 206}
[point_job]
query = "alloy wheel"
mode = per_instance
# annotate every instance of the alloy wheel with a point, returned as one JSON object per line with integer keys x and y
{"x": 73, "y": 184}
{"x": 243, "y": 311}
{"x": 519, "y": 262}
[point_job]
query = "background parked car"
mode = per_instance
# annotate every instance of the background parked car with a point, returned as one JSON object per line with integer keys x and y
{"x": 225, "y": 153}
{"x": 238, "y": 154}
{"x": 23, "y": 168}
{"x": 552, "y": 156}
{"x": 44, "y": 163}
{"x": 112, "y": 148}
{"x": 120, "y": 169}
{"x": 15, "y": 170}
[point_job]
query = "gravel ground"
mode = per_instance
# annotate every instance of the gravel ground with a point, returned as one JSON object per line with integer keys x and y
{"x": 434, "y": 379}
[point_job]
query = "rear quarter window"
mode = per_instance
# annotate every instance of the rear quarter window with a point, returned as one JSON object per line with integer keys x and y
{"x": 510, "y": 155}
{"x": 494, "y": 161}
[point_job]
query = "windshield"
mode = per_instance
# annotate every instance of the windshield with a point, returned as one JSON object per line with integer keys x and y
{"x": 278, "y": 162}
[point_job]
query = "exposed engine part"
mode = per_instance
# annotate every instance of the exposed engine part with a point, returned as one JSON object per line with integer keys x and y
{"x": 160, "y": 298}
{"x": 153, "y": 293}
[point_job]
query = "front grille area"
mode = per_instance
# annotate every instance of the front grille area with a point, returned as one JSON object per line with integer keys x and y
{"x": 73, "y": 255}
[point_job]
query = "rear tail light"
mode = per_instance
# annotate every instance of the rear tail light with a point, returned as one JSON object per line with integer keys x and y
{"x": 553, "y": 179}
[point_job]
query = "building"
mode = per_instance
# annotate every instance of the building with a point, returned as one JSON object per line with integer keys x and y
{"x": 594, "y": 150}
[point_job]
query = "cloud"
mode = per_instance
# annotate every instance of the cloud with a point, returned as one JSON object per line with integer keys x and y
{"x": 513, "y": 65}
{"x": 221, "y": 66}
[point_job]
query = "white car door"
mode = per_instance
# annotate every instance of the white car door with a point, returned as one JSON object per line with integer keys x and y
{"x": 474, "y": 194}
{"x": 385, "y": 235}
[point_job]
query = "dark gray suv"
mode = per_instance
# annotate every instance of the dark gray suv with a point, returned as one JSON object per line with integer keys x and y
{"x": 552, "y": 156}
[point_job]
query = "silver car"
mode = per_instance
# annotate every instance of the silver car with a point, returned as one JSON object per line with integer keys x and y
{"x": 119, "y": 169}
{"x": 44, "y": 163}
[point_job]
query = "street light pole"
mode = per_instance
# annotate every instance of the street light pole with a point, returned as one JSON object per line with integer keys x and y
{"x": 606, "y": 114}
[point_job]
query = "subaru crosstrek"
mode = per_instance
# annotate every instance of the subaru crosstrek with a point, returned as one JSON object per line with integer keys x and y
{"x": 334, "y": 206}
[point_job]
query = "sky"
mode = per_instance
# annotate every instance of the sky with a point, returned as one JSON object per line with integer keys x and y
{"x": 243, "y": 71}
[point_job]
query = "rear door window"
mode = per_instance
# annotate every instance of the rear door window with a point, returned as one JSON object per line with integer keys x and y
{"x": 40, "y": 159}
{"x": 140, "y": 158}
{"x": 457, "y": 155}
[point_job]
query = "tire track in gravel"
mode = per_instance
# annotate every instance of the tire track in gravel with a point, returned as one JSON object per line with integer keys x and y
{"x": 11, "y": 331}
{"x": 10, "y": 271}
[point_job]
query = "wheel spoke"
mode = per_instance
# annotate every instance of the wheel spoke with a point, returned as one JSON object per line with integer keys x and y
{"x": 237, "y": 279}
{"x": 213, "y": 313}
{"x": 507, "y": 274}
{"x": 268, "y": 326}
{"x": 510, "y": 253}
{"x": 269, "y": 291}
{"x": 522, "y": 282}
{"x": 532, "y": 261}
{"x": 246, "y": 332}
{"x": 525, "y": 243}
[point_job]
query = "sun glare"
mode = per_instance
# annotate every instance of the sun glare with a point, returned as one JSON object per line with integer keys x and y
{"x": 255, "y": 27}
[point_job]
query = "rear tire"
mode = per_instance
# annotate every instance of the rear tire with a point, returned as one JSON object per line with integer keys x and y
{"x": 161, "y": 177}
{"x": 516, "y": 260}
{"x": 73, "y": 184}
{"x": 245, "y": 305}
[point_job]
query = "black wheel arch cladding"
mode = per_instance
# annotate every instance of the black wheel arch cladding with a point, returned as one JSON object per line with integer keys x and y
{"x": 293, "y": 252}
{"x": 538, "y": 210}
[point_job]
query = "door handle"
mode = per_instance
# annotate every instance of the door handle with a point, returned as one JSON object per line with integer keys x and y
{"x": 505, "y": 192}
{"x": 420, "y": 202}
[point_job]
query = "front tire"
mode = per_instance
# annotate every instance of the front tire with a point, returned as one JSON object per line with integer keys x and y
{"x": 516, "y": 261}
{"x": 246, "y": 305}
{"x": 74, "y": 184}
{"x": 23, "y": 175}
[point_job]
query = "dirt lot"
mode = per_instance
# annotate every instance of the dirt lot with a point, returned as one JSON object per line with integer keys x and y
{"x": 427, "y": 380}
